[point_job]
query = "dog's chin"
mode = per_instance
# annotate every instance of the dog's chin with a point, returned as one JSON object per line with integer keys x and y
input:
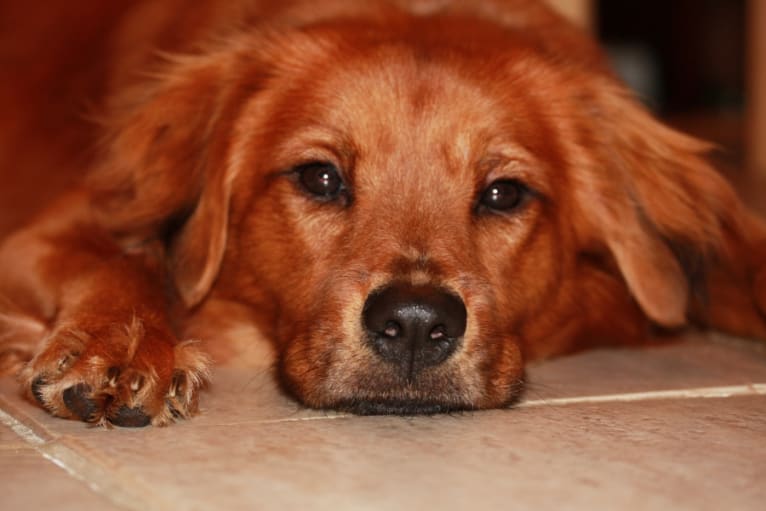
{"x": 406, "y": 407}
{"x": 366, "y": 404}
{"x": 379, "y": 390}
{"x": 423, "y": 406}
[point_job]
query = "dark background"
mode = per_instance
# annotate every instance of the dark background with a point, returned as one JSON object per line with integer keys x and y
{"x": 686, "y": 59}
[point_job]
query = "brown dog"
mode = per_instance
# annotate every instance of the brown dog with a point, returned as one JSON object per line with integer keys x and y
{"x": 409, "y": 199}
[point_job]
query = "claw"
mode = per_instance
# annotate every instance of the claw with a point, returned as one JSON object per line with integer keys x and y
{"x": 178, "y": 385}
{"x": 112, "y": 375}
{"x": 66, "y": 361}
{"x": 137, "y": 383}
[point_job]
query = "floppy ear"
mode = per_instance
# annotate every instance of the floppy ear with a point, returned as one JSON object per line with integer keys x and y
{"x": 649, "y": 196}
{"x": 164, "y": 173}
{"x": 196, "y": 251}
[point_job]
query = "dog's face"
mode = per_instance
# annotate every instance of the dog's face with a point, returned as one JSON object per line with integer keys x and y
{"x": 402, "y": 224}
{"x": 412, "y": 213}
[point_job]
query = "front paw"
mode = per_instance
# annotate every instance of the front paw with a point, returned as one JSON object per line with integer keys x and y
{"x": 130, "y": 375}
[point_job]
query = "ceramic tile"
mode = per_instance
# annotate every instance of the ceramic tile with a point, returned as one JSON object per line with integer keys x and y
{"x": 685, "y": 454}
{"x": 692, "y": 361}
{"x": 10, "y": 440}
{"x": 28, "y": 481}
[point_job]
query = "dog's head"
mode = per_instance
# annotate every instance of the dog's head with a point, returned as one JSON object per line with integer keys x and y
{"x": 416, "y": 208}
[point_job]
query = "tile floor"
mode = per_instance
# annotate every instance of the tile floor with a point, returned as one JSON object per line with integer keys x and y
{"x": 681, "y": 426}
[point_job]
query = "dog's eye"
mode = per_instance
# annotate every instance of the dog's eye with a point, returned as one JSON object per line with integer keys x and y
{"x": 320, "y": 179}
{"x": 503, "y": 195}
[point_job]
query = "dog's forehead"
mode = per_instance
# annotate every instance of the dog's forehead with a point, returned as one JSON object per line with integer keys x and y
{"x": 401, "y": 100}
{"x": 397, "y": 108}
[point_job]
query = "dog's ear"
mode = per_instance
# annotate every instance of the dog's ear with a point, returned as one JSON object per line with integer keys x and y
{"x": 164, "y": 173}
{"x": 196, "y": 251}
{"x": 650, "y": 197}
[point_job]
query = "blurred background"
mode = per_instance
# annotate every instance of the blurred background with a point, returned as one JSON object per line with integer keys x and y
{"x": 700, "y": 65}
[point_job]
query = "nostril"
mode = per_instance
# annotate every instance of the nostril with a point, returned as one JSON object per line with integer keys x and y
{"x": 392, "y": 330}
{"x": 439, "y": 332}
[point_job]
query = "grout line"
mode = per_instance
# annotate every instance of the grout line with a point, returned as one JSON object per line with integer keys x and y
{"x": 101, "y": 482}
{"x": 21, "y": 430}
{"x": 93, "y": 474}
{"x": 750, "y": 389}
{"x": 309, "y": 418}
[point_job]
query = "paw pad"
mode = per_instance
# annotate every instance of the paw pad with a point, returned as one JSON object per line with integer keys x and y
{"x": 130, "y": 418}
{"x": 77, "y": 400}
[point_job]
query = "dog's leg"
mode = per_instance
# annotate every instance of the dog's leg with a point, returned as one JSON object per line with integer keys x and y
{"x": 107, "y": 351}
{"x": 735, "y": 296}
{"x": 20, "y": 334}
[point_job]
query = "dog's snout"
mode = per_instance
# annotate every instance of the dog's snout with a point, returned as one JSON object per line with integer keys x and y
{"x": 414, "y": 326}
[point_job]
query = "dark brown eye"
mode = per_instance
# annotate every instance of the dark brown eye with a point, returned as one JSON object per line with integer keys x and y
{"x": 503, "y": 195}
{"x": 321, "y": 180}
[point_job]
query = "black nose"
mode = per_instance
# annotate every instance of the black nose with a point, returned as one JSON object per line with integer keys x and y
{"x": 414, "y": 326}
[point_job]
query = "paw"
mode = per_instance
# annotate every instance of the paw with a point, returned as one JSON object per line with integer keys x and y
{"x": 129, "y": 375}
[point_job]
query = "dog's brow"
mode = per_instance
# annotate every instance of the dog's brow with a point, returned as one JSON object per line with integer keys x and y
{"x": 314, "y": 143}
{"x": 511, "y": 160}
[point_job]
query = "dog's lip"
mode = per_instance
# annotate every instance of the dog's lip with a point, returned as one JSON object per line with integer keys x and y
{"x": 401, "y": 407}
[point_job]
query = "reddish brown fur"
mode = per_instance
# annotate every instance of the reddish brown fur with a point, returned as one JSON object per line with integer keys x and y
{"x": 190, "y": 203}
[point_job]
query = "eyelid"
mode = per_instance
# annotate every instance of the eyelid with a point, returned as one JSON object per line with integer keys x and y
{"x": 516, "y": 165}
{"x": 317, "y": 144}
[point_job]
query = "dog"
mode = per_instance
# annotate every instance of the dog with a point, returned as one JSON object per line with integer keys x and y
{"x": 409, "y": 199}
